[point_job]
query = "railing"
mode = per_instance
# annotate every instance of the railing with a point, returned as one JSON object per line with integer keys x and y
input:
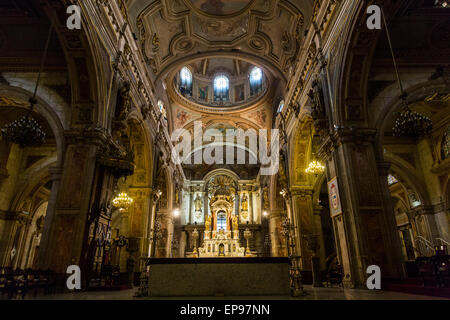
{"x": 211, "y": 102}
{"x": 425, "y": 247}
{"x": 443, "y": 241}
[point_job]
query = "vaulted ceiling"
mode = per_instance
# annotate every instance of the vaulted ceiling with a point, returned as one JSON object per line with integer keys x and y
{"x": 215, "y": 34}
{"x": 268, "y": 33}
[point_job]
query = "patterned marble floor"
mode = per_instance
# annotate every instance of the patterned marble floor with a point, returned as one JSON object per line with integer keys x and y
{"x": 311, "y": 294}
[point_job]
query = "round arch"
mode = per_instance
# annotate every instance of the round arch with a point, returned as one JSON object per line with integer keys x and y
{"x": 56, "y": 117}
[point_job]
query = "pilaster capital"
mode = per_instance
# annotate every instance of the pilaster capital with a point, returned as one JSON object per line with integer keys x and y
{"x": 421, "y": 211}
{"x": 318, "y": 209}
{"x": 301, "y": 192}
{"x": 343, "y": 135}
{"x": 90, "y": 136}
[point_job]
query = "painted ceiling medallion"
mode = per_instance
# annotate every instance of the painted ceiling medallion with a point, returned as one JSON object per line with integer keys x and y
{"x": 221, "y": 7}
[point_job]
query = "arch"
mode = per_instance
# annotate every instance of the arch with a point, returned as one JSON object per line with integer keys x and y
{"x": 33, "y": 236}
{"x": 34, "y": 177}
{"x": 145, "y": 138}
{"x": 354, "y": 61}
{"x": 56, "y": 117}
{"x": 417, "y": 91}
{"x": 221, "y": 172}
{"x": 407, "y": 173}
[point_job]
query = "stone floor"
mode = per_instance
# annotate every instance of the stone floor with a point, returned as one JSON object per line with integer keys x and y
{"x": 311, "y": 294}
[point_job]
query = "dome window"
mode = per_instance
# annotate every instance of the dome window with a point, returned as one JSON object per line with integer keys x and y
{"x": 221, "y": 88}
{"x": 186, "y": 81}
{"x": 256, "y": 81}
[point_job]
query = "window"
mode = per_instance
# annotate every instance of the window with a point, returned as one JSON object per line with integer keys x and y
{"x": 392, "y": 180}
{"x": 221, "y": 88}
{"x": 256, "y": 81}
{"x": 446, "y": 145}
{"x": 414, "y": 201}
{"x": 186, "y": 81}
{"x": 162, "y": 109}
{"x": 221, "y": 221}
{"x": 281, "y": 106}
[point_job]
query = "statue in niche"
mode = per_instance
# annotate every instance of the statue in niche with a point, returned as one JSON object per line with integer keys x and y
{"x": 235, "y": 223}
{"x": 198, "y": 204}
{"x": 221, "y": 250}
{"x": 208, "y": 223}
{"x": 123, "y": 102}
{"x": 245, "y": 203}
{"x": 318, "y": 112}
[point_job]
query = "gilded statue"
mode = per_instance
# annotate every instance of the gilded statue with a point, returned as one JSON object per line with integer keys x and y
{"x": 235, "y": 223}
{"x": 244, "y": 203}
{"x": 208, "y": 223}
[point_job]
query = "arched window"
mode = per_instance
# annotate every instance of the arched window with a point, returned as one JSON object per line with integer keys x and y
{"x": 186, "y": 81}
{"x": 256, "y": 81}
{"x": 221, "y": 88}
{"x": 446, "y": 144}
{"x": 391, "y": 180}
{"x": 281, "y": 106}
{"x": 162, "y": 109}
{"x": 221, "y": 221}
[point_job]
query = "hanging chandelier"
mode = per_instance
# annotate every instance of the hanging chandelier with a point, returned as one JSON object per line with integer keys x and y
{"x": 441, "y": 3}
{"x": 315, "y": 167}
{"x": 123, "y": 201}
{"x": 412, "y": 124}
{"x": 409, "y": 123}
{"x": 27, "y": 132}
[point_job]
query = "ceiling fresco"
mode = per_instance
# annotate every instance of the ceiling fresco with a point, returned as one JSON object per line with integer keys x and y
{"x": 221, "y": 7}
{"x": 268, "y": 32}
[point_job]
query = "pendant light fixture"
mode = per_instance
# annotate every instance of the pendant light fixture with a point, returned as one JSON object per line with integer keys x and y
{"x": 27, "y": 132}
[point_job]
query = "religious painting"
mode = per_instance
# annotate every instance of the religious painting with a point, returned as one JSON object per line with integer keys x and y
{"x": 181, "y": 118}
{"x": 239, "y": 93}
{"x": 203, "y": 93}
{"x": 335, "y": 200}
{"x": 220, "y": 7}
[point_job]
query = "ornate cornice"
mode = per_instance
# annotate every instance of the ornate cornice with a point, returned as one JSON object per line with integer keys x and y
{"x": 340, "y": 136}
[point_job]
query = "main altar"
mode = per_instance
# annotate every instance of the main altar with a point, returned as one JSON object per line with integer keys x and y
{"x": 221, "y": 237}
{"x": 221, "y": 217}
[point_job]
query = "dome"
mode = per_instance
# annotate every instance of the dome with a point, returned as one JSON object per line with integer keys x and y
{"x": 220, "y": 83}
